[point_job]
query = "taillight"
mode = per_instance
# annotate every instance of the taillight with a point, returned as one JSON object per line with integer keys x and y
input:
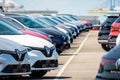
{"x": 103, "y": 61}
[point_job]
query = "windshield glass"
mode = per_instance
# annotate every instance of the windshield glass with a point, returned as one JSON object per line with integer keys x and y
{"x": 75, "y": 17}
{"x": 48, "y": 21}
{"x": 42, "y": 21}
{"x": 31, "y": 23}
{"x": 18, "y": 25}
{"x": 7, "y": 29}
{"x": 63, "y": 19}
{"x": 57, "y": 20}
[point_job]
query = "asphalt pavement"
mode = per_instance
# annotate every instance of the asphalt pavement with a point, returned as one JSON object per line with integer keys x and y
{"x": 81, "y": 62}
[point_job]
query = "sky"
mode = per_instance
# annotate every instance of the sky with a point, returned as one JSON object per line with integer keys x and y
{"x": 78, "y": 7}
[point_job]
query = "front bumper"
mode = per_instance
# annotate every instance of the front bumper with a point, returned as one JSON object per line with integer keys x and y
{"x": 45, "y": 65}
{"x": 9, "y": 66}
{"x": 40, "y": 62}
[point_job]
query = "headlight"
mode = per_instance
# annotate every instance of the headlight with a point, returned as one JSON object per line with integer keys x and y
{"x": 50, "y": 36}
{"x": 63, "y": 37}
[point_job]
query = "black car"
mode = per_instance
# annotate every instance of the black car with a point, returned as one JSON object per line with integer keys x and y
{"x": 104, "y": 32}
{"x": 109, "y": 68}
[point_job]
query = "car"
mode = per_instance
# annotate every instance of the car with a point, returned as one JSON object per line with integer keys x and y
{"x": 104, "y": 31}
{"x": 109, "y": 68}
{"x": 87, "y": 25}
{"x": 114, "y": 32}
{"x": 14, "y": 60}
{"x": 42, "y": 51}
{"x": 16, "y": 24}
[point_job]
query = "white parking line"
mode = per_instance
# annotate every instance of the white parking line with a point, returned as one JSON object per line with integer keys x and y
{"x": 70, "y": 59}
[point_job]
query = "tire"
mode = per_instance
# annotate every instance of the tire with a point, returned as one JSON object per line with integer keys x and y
{"x": 106, "y": 47}
{"x": 68, "y": 46}
{"x": 59, "y": 52}
{"x": 71, "y": 40}
{"x": 38, "y": 73}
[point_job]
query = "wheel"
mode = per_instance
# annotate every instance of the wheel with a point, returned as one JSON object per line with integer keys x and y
{"x": 59, "y": 52}
{"x": 74, "y": 37}
{"x": 68, "y": 46}
{"x": 106, "y": 47}
{"x": 38, "y": 73}
{"x": 71, "y": 40}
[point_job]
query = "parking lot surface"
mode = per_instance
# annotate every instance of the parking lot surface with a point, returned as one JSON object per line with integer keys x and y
{"x": 78, "y": 63}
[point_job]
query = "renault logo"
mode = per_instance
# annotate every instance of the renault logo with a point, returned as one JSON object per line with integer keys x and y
{"x": 19, "y": 53}
{"x": 47, "y": 50}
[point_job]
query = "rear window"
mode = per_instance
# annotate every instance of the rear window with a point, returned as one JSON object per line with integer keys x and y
{"x": 109, "y": 20}
{"x": 113, "y": 53}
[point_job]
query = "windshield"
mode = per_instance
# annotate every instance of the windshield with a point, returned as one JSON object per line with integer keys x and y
{"x": 50, "y": 21}
{"x": 75, "y": 18}
{"x": 15, "y": 22}
{"x": 31, "y": 23}
{"x": 68, "y": 18}
{"x": 7, "y": 29}
{"x": 42, "y": 21}
{"x": 58, "y": 20}
{"x": 109, "y": 20}
{"x": 63, "y": 19}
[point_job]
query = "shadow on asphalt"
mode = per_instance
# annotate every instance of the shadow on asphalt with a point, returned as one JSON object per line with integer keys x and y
{"x": 64, "y": 54}
{"x": 52, "y": 77}
{"x": 38, "y": 78}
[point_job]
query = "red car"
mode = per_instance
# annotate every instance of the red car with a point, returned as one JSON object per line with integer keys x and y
{"x": 115, "y": 29}
{"x": 87, "y": 24}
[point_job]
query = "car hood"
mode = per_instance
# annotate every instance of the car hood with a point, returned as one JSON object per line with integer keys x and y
{"x": 28, "y": 40}
{"x": 62, "y": 29}
{"x": 9, "y": 45}
{"x": 33, "y": 33}
{"x": 50, "y": 31}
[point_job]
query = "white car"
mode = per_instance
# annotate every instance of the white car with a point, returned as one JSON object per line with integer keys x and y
{"x": 118, "y": 39}
{"x": 14, "y": 59}
{"x": 43, "y": 55}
